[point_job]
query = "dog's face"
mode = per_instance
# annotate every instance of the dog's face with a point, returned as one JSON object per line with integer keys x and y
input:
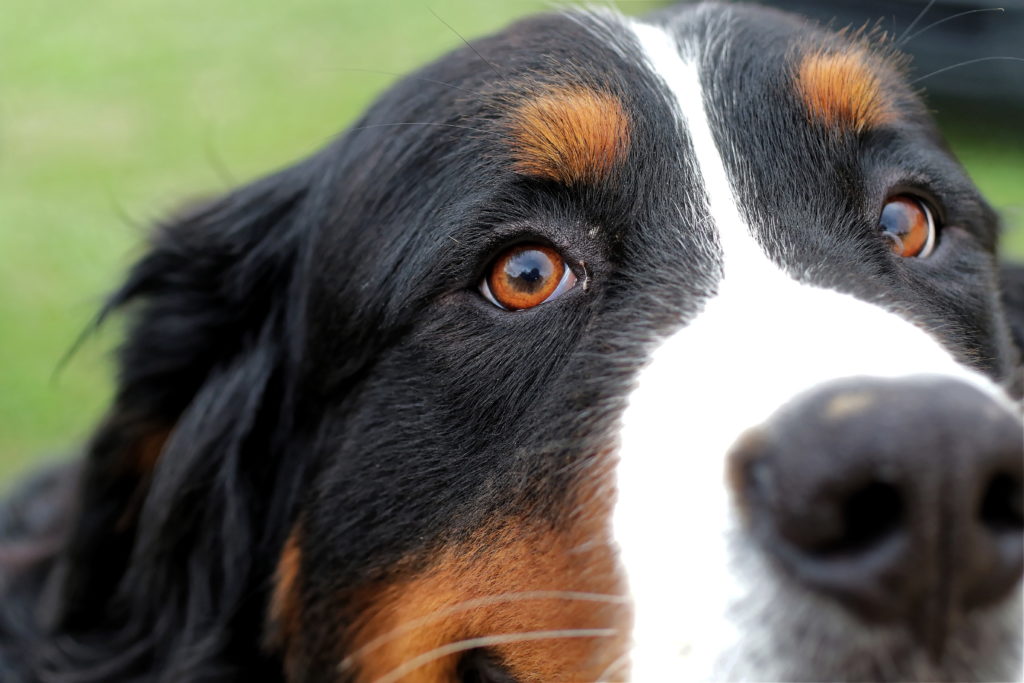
{"x": 672, "y": 348}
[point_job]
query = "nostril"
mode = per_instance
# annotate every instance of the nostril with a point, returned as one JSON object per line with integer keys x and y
{"x": 998, "y": 535}
{"x": 870, "y": 515}
{"x": 905, "y": 505}
{"x": 826, "y": 521}
{"x": 1002, "y": 507}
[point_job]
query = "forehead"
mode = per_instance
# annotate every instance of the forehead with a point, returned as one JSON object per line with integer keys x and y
{"x": 575, "y": 101}
{"x": 565, "y": 122}
{"x": 771, "y": 73}
{"x": 798, "y": 114}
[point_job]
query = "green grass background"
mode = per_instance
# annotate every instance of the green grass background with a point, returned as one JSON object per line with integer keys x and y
{"x": 114, "y": 112}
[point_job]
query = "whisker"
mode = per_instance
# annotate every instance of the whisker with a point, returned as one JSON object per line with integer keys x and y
{"x": 969, "y": 61}
{"x": 932, "y": 25}
{"x": 476, "y": 603}
{"x": 620, "y": 662}
{"x": 918, "y": 18}
{"x": 487, "y": 641}
{"x": 469, "y": 45}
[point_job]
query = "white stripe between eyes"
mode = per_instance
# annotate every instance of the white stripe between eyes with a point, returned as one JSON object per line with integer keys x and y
{"x": 763, "y": 337}
{"x": 679, "y": 67}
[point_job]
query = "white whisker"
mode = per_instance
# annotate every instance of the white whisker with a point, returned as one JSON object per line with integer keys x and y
{"x": 476, "y": 603}
{"x": 620, "y": 663}
{"x": 969, "y": 61}
{"x": 932, "y": 25}
{"x": 408, "y": 667}
{"x": 918, "y": 18}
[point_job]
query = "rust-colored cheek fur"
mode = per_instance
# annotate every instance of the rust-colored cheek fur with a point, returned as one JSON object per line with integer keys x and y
{"x": 845, "y": 90}
{"x": 284, "y": 616}
{"x": 569, "y": 135}
{"x": 547, "y": 602}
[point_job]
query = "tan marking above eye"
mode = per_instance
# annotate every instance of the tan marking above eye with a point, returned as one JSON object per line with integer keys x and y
{"x": 569, "y": 135}
{"x": 526, "y": 276}
{"x": 909, "y": 225}
{"x": 845, "y": 89}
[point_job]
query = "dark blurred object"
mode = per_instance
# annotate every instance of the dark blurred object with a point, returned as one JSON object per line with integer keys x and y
{"x": 990, "y": 91}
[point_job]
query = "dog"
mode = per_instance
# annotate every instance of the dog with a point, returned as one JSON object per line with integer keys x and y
{"x": 599, "y": 349}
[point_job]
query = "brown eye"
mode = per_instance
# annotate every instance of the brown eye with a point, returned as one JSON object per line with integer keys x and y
{"x": 526, "y": 276}
{"x": 909, "y": 226}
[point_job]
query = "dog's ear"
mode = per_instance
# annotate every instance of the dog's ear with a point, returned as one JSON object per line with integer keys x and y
{"x": 181, "y": 479}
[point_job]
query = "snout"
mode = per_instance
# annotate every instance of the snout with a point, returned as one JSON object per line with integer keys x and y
{"x": 899, "y": 498}
{"x": 795, "y": 504}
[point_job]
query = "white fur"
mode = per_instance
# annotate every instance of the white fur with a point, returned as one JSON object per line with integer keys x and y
{"x": 706, "y": 605}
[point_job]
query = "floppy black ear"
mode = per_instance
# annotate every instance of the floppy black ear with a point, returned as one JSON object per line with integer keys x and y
{"x": 182, "y": 484}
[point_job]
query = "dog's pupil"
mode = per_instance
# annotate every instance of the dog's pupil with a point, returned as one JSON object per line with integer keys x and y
{"x": 530, "y": 276}
{"x": 906, "y": 224}
{"x": 897, "y": 219}
{"x": 529, "y": 270}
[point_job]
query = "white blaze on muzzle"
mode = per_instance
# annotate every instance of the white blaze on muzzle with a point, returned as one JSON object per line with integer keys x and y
{"x": 761, "y": 340}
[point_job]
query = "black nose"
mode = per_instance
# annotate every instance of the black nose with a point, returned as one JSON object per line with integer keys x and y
{"x": 900, "y": 498}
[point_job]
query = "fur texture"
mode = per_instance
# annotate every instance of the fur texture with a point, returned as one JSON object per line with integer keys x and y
{"x": 329, "y": 457}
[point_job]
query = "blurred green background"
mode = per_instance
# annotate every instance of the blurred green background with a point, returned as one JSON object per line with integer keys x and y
{"x": 114, "y": 112}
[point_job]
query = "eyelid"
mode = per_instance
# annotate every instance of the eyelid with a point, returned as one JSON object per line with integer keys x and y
{"x": 922, "y": 188}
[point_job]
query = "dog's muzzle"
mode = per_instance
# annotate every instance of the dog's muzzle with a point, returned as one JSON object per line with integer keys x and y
{"x": 900, "y": 498}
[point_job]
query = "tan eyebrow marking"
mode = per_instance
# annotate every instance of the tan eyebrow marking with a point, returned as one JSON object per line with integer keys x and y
{"x": 845, "y": 89}
{"x": 569, "y": 135}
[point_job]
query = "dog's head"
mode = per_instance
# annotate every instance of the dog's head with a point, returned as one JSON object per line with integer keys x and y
{"x": 673, "y": 347}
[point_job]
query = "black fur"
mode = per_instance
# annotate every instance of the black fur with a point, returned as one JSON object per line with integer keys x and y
{"x": 164, "y": 569}
{"x": 315, "y": 352}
